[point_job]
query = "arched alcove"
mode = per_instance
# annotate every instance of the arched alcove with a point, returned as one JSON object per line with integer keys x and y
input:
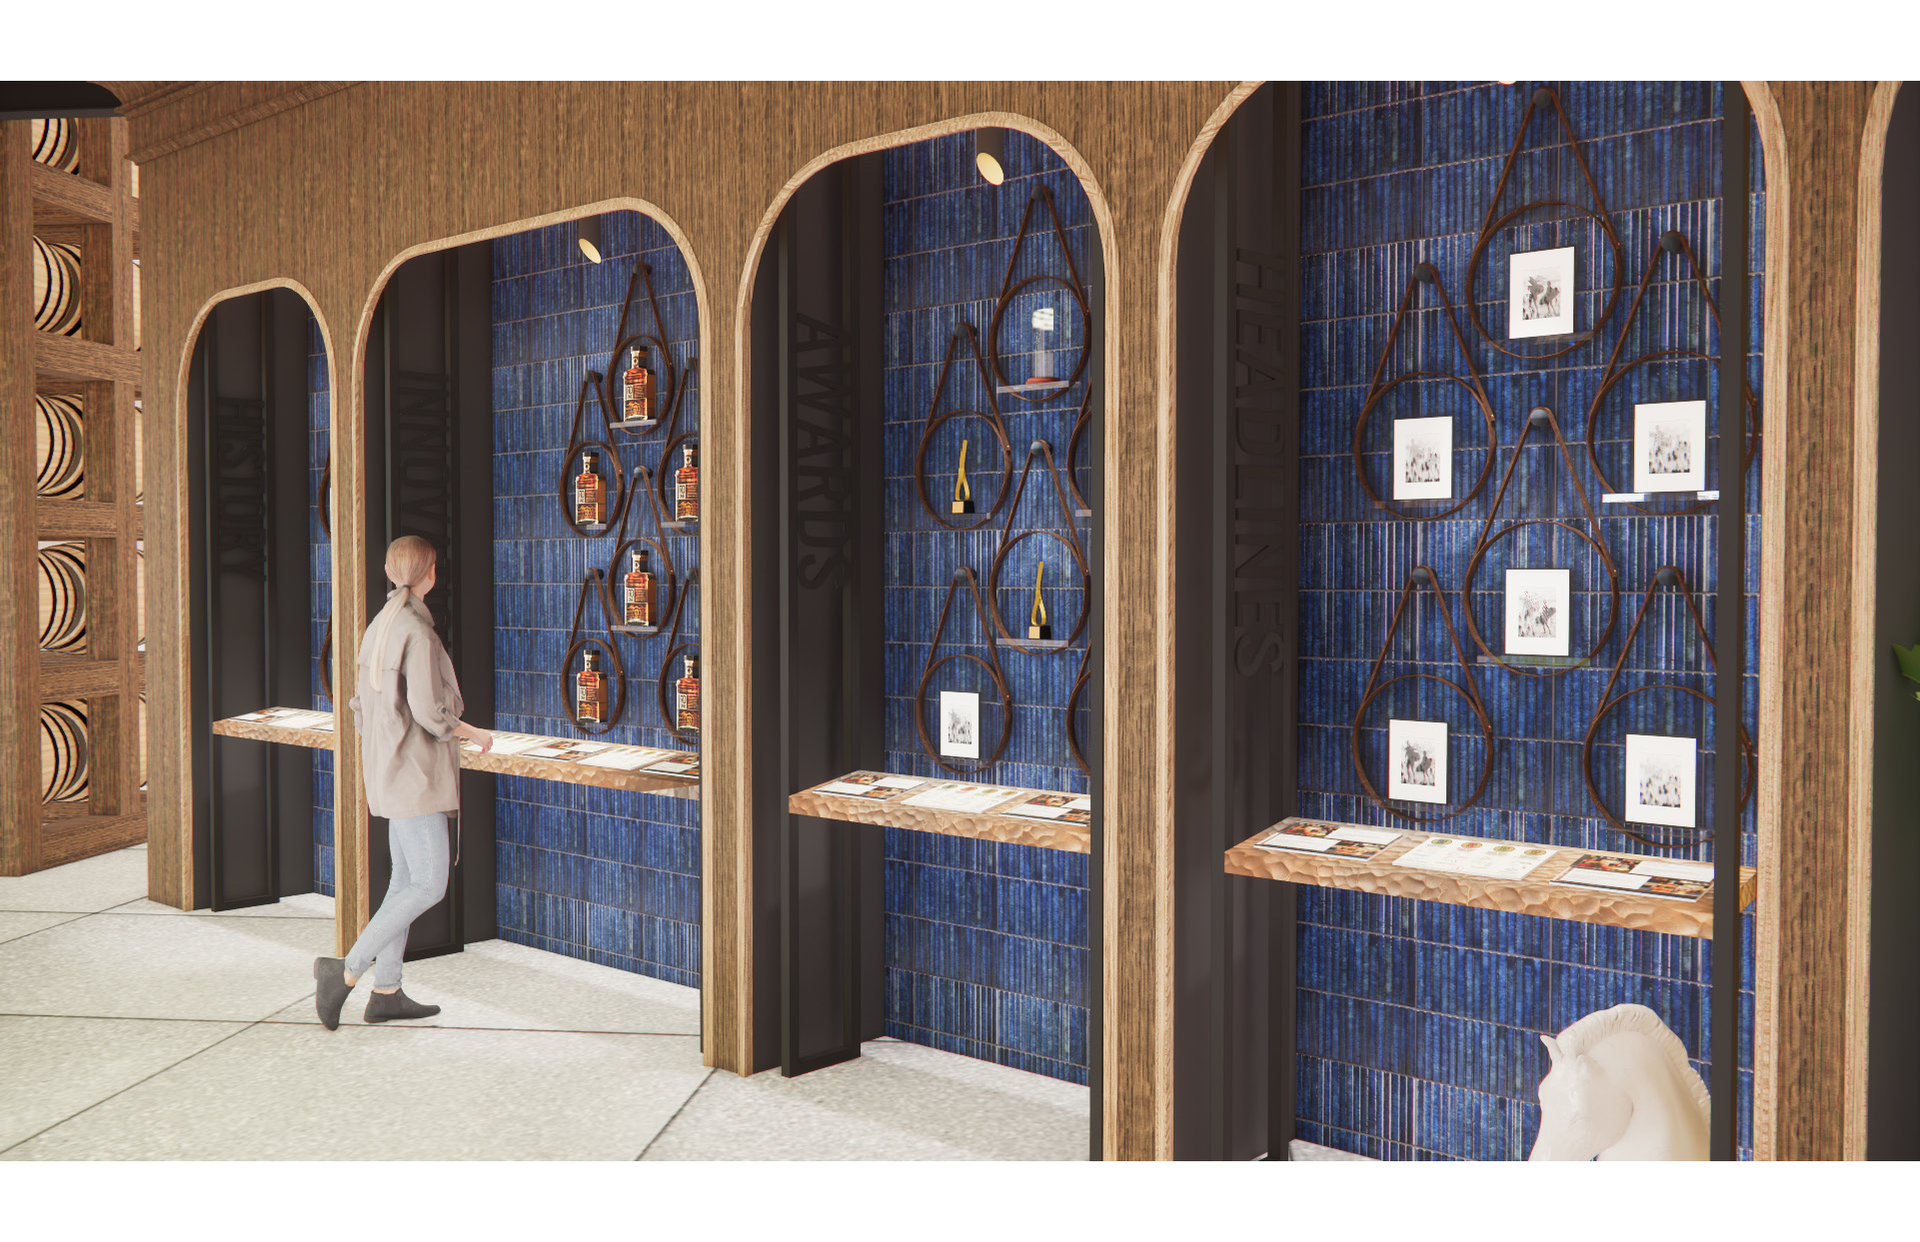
{"x": 256, "y": 410}
{"x": 489, "y": 363}
{"x": 1342, "y": 265}
{"x": 873, "y": 355}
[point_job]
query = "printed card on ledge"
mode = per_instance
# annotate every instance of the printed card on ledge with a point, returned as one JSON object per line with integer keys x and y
{"x": 876, "y": 785}
{"x": 1058, "y": 808}
{"x": 1650, "y": 877}
{"x": 1305, "y": 836}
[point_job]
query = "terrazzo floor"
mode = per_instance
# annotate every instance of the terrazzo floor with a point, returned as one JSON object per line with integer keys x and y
{"x": 133, "y": 1031}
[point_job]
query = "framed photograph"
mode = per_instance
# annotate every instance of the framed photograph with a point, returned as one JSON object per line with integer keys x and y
{"x": 1540, "y": 293}
{"x": 1670, "y": 446}
{"x": 1539, "y": 607}
{"x": 1423, "y": 459}
{"x": 959, "y": 724}
{"x": 1417, "y": 760}
{"x": 1660, "y": 776}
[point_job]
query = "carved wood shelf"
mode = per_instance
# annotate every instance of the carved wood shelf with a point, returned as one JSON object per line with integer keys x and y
{"x": 567, "y": 773}
{"x": 1536, "y": 894}
{"x": 890, "y": 812}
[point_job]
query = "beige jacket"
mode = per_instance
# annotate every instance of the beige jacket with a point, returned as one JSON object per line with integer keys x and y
{"x": 407, "y": 709}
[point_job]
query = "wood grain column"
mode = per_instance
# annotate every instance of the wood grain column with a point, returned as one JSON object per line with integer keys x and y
{"x": 19, "y": 587}
{"x": 1813, "y": 135}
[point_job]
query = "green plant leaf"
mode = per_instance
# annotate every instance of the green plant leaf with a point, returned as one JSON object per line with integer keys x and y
{"x": 1909, "y": 658}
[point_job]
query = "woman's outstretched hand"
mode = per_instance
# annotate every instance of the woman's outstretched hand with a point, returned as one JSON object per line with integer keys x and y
{"x": 482, "y": 738}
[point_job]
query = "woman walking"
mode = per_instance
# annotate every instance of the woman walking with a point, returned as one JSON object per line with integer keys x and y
{"x": 408, "y": 716}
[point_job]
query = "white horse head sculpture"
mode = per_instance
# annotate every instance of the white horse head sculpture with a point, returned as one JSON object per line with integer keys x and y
{"x": 1620, "y": 1088}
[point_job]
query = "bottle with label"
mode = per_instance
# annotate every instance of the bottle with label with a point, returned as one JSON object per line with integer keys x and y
{"x": 640, "y": 590}
{"x": 686, "y": 487}
{"x": 1042, "y": 354}
{"x": 638, "y": 390}
{"x": 687, "y": 700}
{"x": 592, "y": 691}
{"x": 590, "y": 493}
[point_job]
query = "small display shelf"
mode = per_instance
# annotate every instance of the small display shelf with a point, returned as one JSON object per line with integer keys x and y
{"x": 1033, "y": 388}
{"x": 971, "y": 810}
{"x": 638, "y": 769}
{"x": 1534, "y": 661}
{"x": 1634, "y": 498}
{"x": 1536, "y": 893}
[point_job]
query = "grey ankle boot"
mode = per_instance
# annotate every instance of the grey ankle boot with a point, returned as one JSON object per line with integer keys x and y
{"x": 330, "y": 992}
{"x": 384, "y": 1007}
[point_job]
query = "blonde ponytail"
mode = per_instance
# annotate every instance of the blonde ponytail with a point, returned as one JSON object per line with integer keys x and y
{"x": 408, "y": 559}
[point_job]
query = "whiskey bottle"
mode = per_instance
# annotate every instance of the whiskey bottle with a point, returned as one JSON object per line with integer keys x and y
{"x": 640, "y": 590}
{"x": 638, "y": 390}
{"x": 686, "y": 700}
{"x": 686, "y": 487}
{"x": 590, "y": 493}
{"x": 1042, "y": 355}
{"x": 592, "y": 691}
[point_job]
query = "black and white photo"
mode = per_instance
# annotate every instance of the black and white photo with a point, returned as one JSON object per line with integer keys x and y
{"x": 1540, "y": 293}
{"x": 1660, "y": 780}
{"x": 1539, "y": 604}
{"x": 1417, "y": 760}
{"x": 959, "y": 724}
{"x": 1670, "y": 446}
{"x": 1423, "y": 459}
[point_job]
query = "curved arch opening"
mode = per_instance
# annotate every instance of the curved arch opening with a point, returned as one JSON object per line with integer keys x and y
{"x": 872, "y": 297}
{"x": 257, "y": 390}
{"x": 535, "y": 412}
{"x": 1331, "y": 247}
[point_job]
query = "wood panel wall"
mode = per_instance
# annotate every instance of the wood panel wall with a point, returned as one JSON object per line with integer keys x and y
{"x": 328, "y": 187}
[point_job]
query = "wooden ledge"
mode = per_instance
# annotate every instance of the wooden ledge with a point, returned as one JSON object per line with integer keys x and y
{"x": 70, "y": 836}
{"x": 86, "y": 519}
{"x": 675, "y": 786}
{"x": 890, "y": 812}
{"x": 70, "y": 357}
{"x": 80, "y": 676}
{"x": 1536, "y": 894}
{"x": 63, "y": 200}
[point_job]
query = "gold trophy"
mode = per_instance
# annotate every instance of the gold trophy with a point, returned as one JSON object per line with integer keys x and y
{"x": 1037, "y": 628}
{"x": 962, "y": 490}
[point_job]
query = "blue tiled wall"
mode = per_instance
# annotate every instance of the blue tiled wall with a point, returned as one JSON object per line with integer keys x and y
{"x": 986, "y": 943}
{"x": 1418, "y": 1022}
{"x": 320, "y": 564}
{"x": 608, "y": 876}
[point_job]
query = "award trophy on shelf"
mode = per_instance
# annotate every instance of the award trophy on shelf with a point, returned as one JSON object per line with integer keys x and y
{"x": 1037, "y": 627}
{"x": 962, "y": 490}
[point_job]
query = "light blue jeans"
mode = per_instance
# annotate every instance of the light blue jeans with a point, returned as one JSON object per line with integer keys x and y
{"x": 419, "y": 848}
